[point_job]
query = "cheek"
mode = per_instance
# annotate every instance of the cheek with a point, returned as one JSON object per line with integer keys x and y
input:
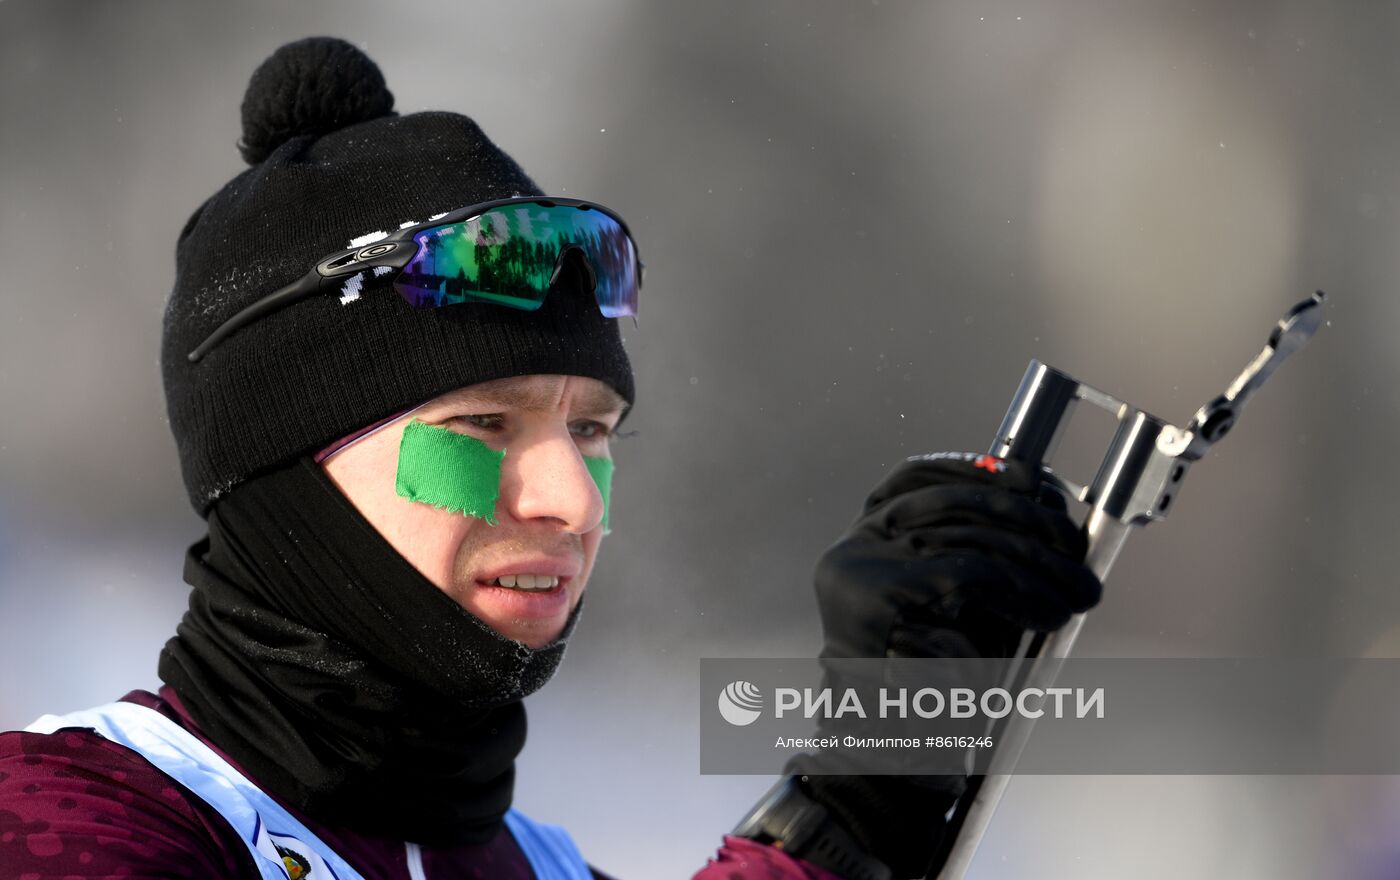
{"x": 426, "y": 537}
{"x": 591, "y": 544}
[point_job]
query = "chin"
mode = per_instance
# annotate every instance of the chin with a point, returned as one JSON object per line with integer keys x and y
{"x": 534, "y": 620}
{"x": 531, "y": 631}
{"x": 531, "y": 636}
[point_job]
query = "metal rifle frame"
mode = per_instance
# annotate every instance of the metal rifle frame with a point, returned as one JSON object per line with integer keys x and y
{"x": 1140, "y": 473}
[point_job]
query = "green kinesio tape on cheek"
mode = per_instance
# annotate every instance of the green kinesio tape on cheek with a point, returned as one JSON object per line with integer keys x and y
{"x": 441, "y": 467}
{"x": 601, "y": 469}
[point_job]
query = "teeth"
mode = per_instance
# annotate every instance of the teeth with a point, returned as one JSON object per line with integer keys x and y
{"x": 528, "y": 581}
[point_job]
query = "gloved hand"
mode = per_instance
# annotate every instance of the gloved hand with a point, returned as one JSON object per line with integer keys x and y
{"x": 954, "y": 555}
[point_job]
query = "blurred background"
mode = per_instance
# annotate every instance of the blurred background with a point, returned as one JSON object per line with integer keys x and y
{"x": 861, "y": 220}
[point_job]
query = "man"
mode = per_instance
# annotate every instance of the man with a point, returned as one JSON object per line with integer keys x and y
{"x": 392, "y": 369}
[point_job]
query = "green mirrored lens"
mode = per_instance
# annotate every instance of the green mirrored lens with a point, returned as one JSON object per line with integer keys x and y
{"x": 507, "y": 256}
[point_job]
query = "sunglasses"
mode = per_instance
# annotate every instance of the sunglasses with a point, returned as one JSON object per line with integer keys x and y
{"x": 508, "y": 252}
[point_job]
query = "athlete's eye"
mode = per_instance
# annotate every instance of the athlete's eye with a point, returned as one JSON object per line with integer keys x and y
{"x": 483, "y": 421}
{"x": 591, "y": 429}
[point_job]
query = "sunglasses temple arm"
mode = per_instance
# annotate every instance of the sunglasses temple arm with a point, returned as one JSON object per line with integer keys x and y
{"x": 297, "y": 291}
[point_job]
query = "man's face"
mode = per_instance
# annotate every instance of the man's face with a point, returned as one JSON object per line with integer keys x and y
{"x": 549, "y": 514}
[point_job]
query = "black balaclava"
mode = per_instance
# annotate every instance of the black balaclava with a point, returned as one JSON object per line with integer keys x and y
{"x": 312, "y": 653}
{"x": 339, "y": 677}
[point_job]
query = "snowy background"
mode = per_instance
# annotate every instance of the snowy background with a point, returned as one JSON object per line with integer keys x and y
{"x": 861, "y": 220}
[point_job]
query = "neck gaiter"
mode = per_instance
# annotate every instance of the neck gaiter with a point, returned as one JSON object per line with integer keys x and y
{"x": 339, "y": 677}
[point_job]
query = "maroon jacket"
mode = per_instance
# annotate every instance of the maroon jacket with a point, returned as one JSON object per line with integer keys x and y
{"x": 74, "y": 805}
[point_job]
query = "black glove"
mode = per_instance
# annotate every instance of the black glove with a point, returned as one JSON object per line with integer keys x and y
{"x": 954, "y": 556}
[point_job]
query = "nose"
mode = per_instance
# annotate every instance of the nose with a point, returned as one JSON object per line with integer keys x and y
{"x": 546, "y": 479}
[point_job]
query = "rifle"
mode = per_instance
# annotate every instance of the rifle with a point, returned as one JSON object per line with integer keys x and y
{"x": 1139, "y": 475}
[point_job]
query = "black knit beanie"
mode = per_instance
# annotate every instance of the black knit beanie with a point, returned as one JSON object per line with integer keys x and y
{"x": 332, "y": 162}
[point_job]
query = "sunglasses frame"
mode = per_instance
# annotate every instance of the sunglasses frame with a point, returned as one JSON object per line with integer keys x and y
{"x": 396, "y": 251}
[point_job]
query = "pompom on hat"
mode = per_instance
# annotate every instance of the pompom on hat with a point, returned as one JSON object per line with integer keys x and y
{"x": 331, "y": 162}
{"x": 312, "y": 86}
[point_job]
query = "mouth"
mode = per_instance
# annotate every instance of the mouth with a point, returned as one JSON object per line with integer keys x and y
{"x": 527, "y": 583}
{"x": 514, "y": 598}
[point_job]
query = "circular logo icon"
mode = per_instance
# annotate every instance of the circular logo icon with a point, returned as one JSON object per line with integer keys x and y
{"x": 374, "y": 251}
{"x": 740, "y": 703}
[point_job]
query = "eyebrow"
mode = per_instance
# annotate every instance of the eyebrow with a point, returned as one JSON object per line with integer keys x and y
{"x": 593, "y": 402}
